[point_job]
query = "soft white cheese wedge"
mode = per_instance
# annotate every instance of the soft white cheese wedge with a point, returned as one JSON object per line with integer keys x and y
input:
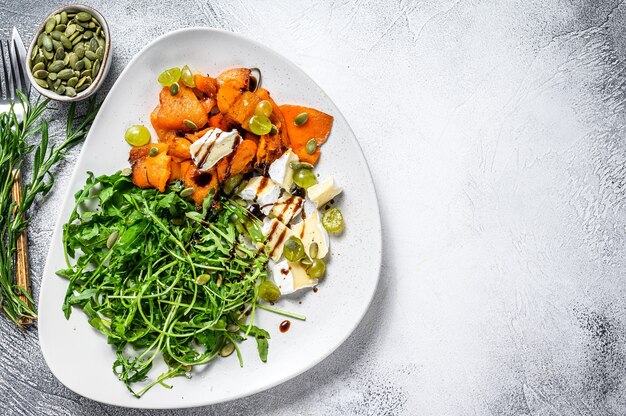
{"x": 263, "y": 191}
{"x": 324, "y": 191}
{"x": 281, "y": 172}
{"x": 277, "y": 233}
{"x": 286, "y": 208}
{"x": 213, "y": 146}
{"x": 289, "y": 277}
{"x": 310, "y": 230}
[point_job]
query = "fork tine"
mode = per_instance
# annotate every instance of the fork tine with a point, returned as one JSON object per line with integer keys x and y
{"x": 15, "y": 69}
{"x": 10, "y": 89}
{"x": 3, "y": 85}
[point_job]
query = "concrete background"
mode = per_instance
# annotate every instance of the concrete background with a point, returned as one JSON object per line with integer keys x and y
{"x": 495, "y": 135}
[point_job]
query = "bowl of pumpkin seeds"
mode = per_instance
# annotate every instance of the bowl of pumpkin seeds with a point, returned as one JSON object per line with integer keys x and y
{"x": 70, "y": 54}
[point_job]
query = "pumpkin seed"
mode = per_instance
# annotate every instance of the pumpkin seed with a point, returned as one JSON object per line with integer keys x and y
{"x": 112, "y": 238}
{"x": 313, "y": 250}
{"x": 174, "y": 89}
{"x": 93, "y": 44}
{"x": 311, "y": 146}
{"x": 98, "y": 30}
{"x": 42, "y": 73}
{"x": 50, "y": 24}
{"x": 39, "y": 58}
{"x": 79, "y": 28}
{"x": 64, "y": 18}
{"x": 66, "y": 60}
{"x": 59, "y": 54}
{"x": 79, "y": 65}
{"x": 73, "y": 59}
{"x": 101, "y": 41}
{"x": 65, "y": 74}
{"x": 219, "y": 281}
{"x": 87, "y": 63}
{"x": 77, "y": 39}
{"x": 70, "y": 30}
{"x": 61, "y": 27}
{"x": 100, "y": 52}
{"x": 153, "y": 152}
{"x": 203, "y": 278}
{"x": 82, "y": 88}
{"x": 57, "y": 18}
{"x": 227, "y": 349}
{"x": 79, "y": 50}
{"x": 70, "y": 92}
{"x": 47, "y": 43}
{"x": 35, "y": 50}
{"x": 178, "y": 221}
{"x": 56, "y": 66}
{"x": 300, "y": 165}
{"x": 56, "y": 84}
{"x": 83, "y": 16}
{"x": 85, "y": 73}
{"x": 67, "y": 44}
{"x": 301, "y": 119}
{"x": 38, "y": 66}
{"x": 41, "y": 83}
{"x": 53, "y": 76}
{"x": 40, "y": 39}
{"x": 91, "y": 55}
{"x": 274, "y": 130}
{"x": 81, "y": 82}
{"x": 48, "y": 55}
{"x": 186, "y": 192}
{"x": 126, "y": 172}
{"x": 190, "y": 124}
{"x": 95, "y": 68}
{"x": 88, "y": 34}
{"x": 73, "y": 36}
{"x": 232, "y": 328}
{"x": 60, "y": 90}
{"x": 72, "y": 82}
{"x": 56, "y": 45}
{"x": 56, "y": 35}
{"x": 91, "y": 25}
{"x": 84, "y": 25}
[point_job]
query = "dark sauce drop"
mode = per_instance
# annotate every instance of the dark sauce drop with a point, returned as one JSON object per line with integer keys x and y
{"x": 180, "y": 133}
{"x": 253, "y": 83}
{"x": 315, "y": 290}
{"x": 284, "y": 326}
{"x": 299, "y": 192}
{"x": 202, "y": 178}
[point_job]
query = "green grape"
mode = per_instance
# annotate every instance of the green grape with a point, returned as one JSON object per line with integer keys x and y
{"x": 317, "y": 269}
{"x": 169, "y": 76}
{"x": 293, "y": 249}
{"x": 260, "y": 125}
{"x": 332, "y": 220}
{"x": 304, "y": 178}
{"x": 263, "y": 108}
{"x": 268, "y": 291}
{"x": 186, "y": 76}
{"x": 137, "y": 135}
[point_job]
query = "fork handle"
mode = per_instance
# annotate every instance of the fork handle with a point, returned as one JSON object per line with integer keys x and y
{"x": 21, "y": 263}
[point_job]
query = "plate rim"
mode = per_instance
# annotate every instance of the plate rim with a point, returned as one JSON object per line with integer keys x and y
{"x": 377, "y": 227}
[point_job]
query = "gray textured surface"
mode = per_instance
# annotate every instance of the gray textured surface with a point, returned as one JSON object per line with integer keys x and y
{"x": 495, "y": 135}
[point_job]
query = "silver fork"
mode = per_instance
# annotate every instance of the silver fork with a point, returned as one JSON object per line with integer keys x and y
{"x": 14, "y": 78}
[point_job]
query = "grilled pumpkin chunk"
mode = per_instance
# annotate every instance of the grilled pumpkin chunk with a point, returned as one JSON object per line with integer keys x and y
{"x": 150, "y": 171}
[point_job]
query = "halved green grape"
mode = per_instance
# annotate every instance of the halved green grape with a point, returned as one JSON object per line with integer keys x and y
{"x": 268, "y": 291}
{"x": 169, "y": 76}
{"x": 293, "y": 249}
{"x": 317, "y": 269}
{"x": 332, "y": 220}
{"x": 186, "y": 76}
{"x": 263, "y": 108}
{"x": 260, "y": 124}
{"x": 137, "y": 135}
{"x": 304, "y": 178}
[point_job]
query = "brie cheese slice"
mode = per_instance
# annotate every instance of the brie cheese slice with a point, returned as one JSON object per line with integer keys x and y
{"x": 212, "y": 147}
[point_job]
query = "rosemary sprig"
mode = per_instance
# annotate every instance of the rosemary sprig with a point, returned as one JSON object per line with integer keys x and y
{"x": 15, "y": 148}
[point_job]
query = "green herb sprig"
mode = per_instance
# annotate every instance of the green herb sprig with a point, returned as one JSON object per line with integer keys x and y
{"x": 158, "y": 277}
{"x": 15, "y": 148}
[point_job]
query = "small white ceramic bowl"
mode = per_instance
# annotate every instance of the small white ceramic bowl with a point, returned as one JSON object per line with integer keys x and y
{"x": 104, "y": 67}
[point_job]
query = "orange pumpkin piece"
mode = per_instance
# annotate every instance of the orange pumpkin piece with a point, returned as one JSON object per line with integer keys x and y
{"x": 219, "y": 121}
{"x": 150, "y": 171}
{"x": 179, "y": 169}
{"x": 227, "y": 96}
{"x": 244, "y": 156}
{"x": 201, "y": 182}
{"x": 206, "y": 84}
{"x": 317, "y": 127}
{"x": 161, "y": 133}
{"x": 174, "y": 109}
{"x": 243, "y": 108}
{"x": 269, "y": 149}
{"x": 238, "y": 78}
{"x": 179, "y": 147}
{"x": 276, "y": 117}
